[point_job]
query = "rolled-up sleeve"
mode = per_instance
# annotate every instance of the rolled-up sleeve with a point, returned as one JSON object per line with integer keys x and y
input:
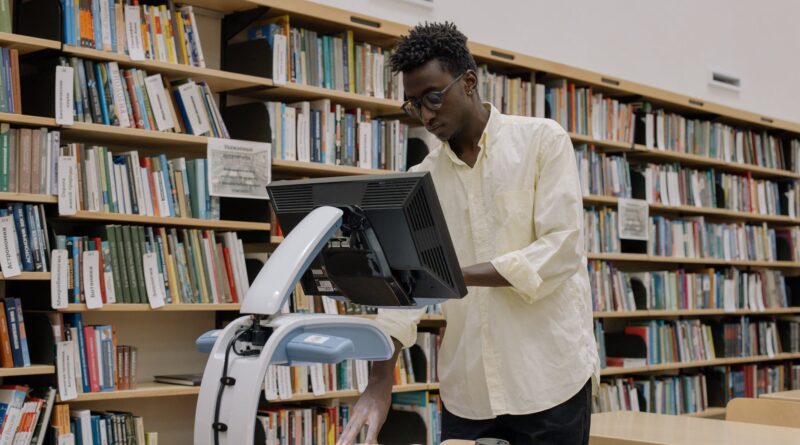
{"x": 538, "y": 269}
{"x": 400, "y": 324}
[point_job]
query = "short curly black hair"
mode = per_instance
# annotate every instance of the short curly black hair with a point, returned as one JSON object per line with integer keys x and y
{"x": 427, "y": 41}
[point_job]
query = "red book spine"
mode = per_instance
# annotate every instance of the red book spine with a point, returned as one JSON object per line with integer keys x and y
{"x": 91, "y": 356}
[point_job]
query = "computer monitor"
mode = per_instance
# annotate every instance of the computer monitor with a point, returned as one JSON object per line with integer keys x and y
{"x": 394, "y": 249}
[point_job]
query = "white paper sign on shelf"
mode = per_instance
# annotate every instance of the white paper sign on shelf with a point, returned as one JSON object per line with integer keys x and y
{"x": 64, "y": 100}
{"x": 91, "y": 279}
{"x": 67, "y": 177}
{"x": 60, "y": 280}
{"x": 633, "y": 219}
{"x": 238, "y": 169}
{"x": 10, "y": 263}
{"x": 65, "y": 368}
{"x": 153, "y": 281}
{"x": 133, "y": 31}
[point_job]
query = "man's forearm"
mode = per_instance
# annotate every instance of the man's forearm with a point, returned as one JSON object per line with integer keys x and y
{"x": 483, "y": 275}
{"x": 383, "y": 372}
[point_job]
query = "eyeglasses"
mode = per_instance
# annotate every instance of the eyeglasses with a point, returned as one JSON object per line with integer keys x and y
{"x": 432, "y": 100}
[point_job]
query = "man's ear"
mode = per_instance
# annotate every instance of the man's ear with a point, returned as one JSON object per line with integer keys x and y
{"x": 470, "y": 82}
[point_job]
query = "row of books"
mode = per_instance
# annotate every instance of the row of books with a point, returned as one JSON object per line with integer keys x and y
{"x": 25, "y": 414}
{"x": 30, "y": 238}
{"x": 142, "y": 185}
{"x": 106, "y": 94}
{"x": 510, "y": 95}
{"x": 14, "y": 350}
{"x": 728, "y": 382}
{"x": 671, "y": 341}
{"x": 675, "y": 395}
{"x": 414, "y": 365}
{"x": 29, "y": 160}
{"x": 790, "y": 335}
{"x": 163, "y": 33}
{"x": 10, "y": 96}
{"x": 336, "y": 62}
{"x": 668, "y": 131}
{"x": 101, "y": 364}
{"x": 729, "y": 289}
{"x": 190, "y": 265}
{"x": 746, "y": 338}
{"x": 87, "y": 427}
{"x": 693, "y": 237}
{"x": 330, "y": 134}
{"x": 324, "y": 425}
{"x": 603, "y": 174}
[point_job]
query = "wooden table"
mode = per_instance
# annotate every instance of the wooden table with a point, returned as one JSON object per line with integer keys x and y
{"x": 631, "y": 428}
{"x": 792, "y": 396}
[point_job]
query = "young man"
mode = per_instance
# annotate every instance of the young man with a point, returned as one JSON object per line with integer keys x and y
{"x": 518, "y": 357}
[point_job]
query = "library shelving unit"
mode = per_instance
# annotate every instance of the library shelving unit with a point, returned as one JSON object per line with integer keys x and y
{"x": 165, "y": 336}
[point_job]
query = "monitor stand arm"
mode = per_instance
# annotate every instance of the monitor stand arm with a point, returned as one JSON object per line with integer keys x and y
{"x": 241, "y": 352}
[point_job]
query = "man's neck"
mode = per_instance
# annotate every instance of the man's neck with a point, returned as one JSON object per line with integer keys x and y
{"x": 465, "y": 143}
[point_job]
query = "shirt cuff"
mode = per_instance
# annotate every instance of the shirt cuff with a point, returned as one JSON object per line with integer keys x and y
{"x": 513, "y": 266}
{"x": 399, "y": 325}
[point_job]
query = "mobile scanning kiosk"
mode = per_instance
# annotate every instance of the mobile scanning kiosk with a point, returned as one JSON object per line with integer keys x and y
{"x": 371, "y": 240}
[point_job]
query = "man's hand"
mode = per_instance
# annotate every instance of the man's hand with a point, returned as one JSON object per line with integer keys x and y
{"x": 373, "y": 405}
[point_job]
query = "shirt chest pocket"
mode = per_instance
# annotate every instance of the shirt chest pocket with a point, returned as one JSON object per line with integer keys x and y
{"x": 514, "y": 219}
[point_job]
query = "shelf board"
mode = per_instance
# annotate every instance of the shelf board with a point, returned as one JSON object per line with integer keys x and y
{"x": 29, "y": 276}
{"x": 319, "y": 169}
{"x": 606, "y": 144}
{"x": 28, "y": 197}
{"x": 169, "y": 221}
{"x": 703, "y": 161}
{"x": 26, "y": 44}
{"x": 29, "y": 370}
{"x": 177, "y": 307}
{"x": 644, "y": 258}
{"x": 292, "y": 92}
{"x": 611, "y": 201}
{"x": 698, "y": 364}
{"x": 28, "y": 120}
{"x": 217, "y": 80}
{"x": 656, "y": 313}
{"x": 109, "y": 134}
{"x": 143, "y": 390}
{"x": 152, "y": 389}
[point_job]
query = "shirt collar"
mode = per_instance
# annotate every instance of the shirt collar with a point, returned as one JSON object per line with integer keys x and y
{"x": 486, "y": 137}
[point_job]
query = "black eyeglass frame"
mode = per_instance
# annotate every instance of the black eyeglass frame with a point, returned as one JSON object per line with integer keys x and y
{"x": 432, "y": 100}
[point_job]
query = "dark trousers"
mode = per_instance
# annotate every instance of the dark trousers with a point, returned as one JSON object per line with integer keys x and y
{"x": 565, "y": 424}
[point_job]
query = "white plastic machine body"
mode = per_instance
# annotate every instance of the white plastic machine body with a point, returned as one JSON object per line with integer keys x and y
{"x": 231, "y": 387}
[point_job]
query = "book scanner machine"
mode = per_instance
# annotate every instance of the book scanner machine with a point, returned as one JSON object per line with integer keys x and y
{"x": 371, "y": 240}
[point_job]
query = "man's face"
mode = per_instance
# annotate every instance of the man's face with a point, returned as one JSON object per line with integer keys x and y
{"x": 432, "y": 77}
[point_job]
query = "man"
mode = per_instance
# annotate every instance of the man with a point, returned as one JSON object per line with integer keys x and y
{"x": 518, "y": 357}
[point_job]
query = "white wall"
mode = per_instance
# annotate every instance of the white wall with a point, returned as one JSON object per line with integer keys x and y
{"x": 666, "y": 44}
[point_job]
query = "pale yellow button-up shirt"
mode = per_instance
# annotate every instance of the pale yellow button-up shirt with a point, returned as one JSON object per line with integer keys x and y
{"x": 529, "y": 347}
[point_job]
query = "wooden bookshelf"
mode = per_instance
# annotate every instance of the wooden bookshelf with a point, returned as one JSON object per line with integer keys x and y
{"x": 600, "y": 200}
{"x": 217, "y": 80}
{"x": 613, "y": 370}
{"x": 241, "y": 226}
{"x": 109, "y": 134}
{"x": 28, "y": 197}
{"x": 27, "y": 120}
{"x": 660, "y": 313}
{"x": 175, "y": 307}
{"x": 292, "y": 92}
{"x": 29, "y": 370}
{"x": 317, "y": 169}
{"x": 644, "y": 258}
{"x": 26, "y": 44}
{"x": 153, "y": 389}
{"x": 29, "y": 276}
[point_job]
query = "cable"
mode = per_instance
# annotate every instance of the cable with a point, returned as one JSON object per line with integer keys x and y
{"x": 225, "y": 381}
